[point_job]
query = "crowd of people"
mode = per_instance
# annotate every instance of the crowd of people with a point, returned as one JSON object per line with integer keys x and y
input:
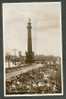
{"x": 44, "y": 80}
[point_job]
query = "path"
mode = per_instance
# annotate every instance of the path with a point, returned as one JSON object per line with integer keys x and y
{"x": 22, "y": 70}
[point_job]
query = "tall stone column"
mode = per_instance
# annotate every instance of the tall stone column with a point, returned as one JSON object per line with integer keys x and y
{"x": 29, "y": 53}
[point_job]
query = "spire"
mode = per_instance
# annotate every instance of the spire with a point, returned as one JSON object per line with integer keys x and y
{"x": 29, "y": 53}
{"x": 29, "y": 20}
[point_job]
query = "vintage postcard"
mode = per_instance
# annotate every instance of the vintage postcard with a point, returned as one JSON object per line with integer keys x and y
{"x": 32, "y": 36}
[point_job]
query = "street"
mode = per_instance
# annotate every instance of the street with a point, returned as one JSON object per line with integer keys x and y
{"x": 22, "y": 70}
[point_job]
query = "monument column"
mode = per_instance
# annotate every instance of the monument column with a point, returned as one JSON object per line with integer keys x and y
{"x": 29, "y": 53}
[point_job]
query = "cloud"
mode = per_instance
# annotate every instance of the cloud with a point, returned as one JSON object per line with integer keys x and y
{"x": 46, "y": 26}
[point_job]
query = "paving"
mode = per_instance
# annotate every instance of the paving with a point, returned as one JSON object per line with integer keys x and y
{"x": 22, "y": 70}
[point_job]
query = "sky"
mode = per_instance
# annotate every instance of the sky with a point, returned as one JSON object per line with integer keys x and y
{"x": 46, "y": 27}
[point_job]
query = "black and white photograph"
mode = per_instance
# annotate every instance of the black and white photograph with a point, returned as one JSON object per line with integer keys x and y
{"x": 32, "y": 43}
